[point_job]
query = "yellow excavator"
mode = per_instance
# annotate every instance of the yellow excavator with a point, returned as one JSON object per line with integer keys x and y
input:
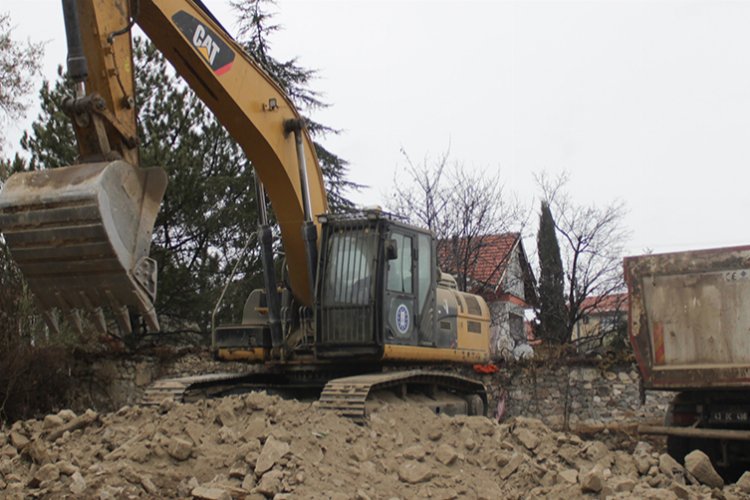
{"x": 361, "y": 296}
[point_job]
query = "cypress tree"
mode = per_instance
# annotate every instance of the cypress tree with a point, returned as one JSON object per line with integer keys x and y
{"x": 552, "y": 310}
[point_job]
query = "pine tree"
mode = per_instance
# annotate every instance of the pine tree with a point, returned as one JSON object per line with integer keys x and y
{"x": 552, "y": 310}
{"x": 256, "y": 24}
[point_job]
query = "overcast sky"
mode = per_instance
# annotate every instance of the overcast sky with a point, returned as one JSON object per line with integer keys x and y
{"x": 641, "y": 101}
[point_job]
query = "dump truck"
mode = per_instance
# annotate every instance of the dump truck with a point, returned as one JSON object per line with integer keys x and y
{"x": 360, "y": 295}
{"x": 689, "y": 325}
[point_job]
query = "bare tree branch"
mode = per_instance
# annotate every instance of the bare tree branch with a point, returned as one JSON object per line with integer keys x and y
{"x": 592, "y": 245}
{"x": 463, "y": 208}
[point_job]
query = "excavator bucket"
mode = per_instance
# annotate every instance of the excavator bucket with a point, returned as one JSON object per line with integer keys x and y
{"x": 81, "y": 237}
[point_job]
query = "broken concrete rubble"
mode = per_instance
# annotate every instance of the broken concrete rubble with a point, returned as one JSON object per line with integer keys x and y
{"x": 260, "y": 446}
{"x": 699, "y": 465}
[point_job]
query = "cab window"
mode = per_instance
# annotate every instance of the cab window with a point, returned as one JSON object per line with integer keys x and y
{"x": 400, "y": 268}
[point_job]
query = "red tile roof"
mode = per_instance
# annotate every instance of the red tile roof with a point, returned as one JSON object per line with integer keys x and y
{"x": 491, "y": 257}
{"x": 605, "y": 303}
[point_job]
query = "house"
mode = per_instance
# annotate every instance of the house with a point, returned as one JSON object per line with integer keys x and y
{"x": 603, "y": 314}
{"x": 496, "y": 267}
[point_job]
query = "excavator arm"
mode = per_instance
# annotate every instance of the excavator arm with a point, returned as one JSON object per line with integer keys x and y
{"x": 255, "y": 111}
{"x": 81, "y": 234}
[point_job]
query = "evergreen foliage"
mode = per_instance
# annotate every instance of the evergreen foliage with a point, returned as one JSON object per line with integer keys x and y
{"x": 19, "y": 64}
{"x": 552, "y": 310}
{"x": 255, "y": 21}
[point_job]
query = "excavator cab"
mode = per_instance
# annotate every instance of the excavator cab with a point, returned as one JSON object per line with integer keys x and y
{"x": 376, "y": 286}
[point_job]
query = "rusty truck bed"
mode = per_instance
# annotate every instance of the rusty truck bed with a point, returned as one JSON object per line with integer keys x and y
{"x": 689, "y": 318}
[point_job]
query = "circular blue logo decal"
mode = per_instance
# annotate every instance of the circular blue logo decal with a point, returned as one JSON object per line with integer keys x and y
{"x": 402, "y": 319}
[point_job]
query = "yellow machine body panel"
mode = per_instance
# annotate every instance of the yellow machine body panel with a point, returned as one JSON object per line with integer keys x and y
{"x": 251, "y": 355}
{"x": 471, "y": 331}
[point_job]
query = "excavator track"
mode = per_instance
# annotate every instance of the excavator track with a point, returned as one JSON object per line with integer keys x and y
{"x": 348, "y": 396}
{"x": 175, "y": 389}
{"x": 299, "y": 384}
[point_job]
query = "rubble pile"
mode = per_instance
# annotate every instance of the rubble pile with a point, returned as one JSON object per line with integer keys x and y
{"x": 258, "y": 446}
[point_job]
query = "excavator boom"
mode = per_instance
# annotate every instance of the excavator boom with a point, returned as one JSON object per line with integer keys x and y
{"x": 81, "y": 234}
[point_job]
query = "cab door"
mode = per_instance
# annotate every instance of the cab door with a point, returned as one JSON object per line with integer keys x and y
{"x": 401, "y": 314}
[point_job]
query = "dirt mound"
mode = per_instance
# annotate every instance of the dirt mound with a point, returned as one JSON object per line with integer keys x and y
{"x": 260, "y": 446}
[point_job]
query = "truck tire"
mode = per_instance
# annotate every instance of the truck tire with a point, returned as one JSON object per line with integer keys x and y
{"x": 678, "y": 447}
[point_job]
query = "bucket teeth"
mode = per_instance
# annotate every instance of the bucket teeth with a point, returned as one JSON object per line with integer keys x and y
{"x": 99, "y": 321}
{"x": 122, "y": 316}
{"x": 74, "y": 318}
{"x": 51, "y": 321}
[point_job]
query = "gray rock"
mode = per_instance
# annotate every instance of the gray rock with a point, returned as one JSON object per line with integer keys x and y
{"x": 67, "y": 468}
{"x": 569, "y": 476}
{"x": 179, "y": 449}
{"x": 149, "y": 486}
{"x": 18, "y": 440}
{"x": 680, "y": 490}
{"x": 744, "y": 482}
{"x": 434, "y": 434}
{"x": 362, "y": 495}
{"x": 225, "y": 412}
{"x": 515, "y": 461}
{"x": 138, "y": 453}
{"x": 592, "y": 481}
{"x": 270, "y": 483}
{"x": 272, "y": 451}
{"x": 227, "y": 435}
{"x": 66, "y": 415}
{"x": 52, "y": 421}
{"x": 570, "y": 454}
{"x": 526, "y": 438}
{"x": 596, "y": 450}
{"x": 77, "y": 483}
{"x": 194, "y": 432}
{"x": 416, "y": 452}
{"x": 37, "y": 451}
{"x": 625, "y": 465}
{"x": 699, "y": 465}
{"x": 49, "y": 472}
{"x": 669, "y": 466}
{"x": 548, "y": 479}
{"x": 642, "y": 447}
{"x": 238, "y": 471}
{"x": 209, "y": 493}
{"x": 414, "y": 472}
{"x": 248, "y": 482}
{"x": 623, "y": 485}
{"x": 446, "y": 454}
{"x": 642, "y": 457}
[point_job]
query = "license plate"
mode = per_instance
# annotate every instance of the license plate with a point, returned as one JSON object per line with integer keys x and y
{"x": 730, "y": 416}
